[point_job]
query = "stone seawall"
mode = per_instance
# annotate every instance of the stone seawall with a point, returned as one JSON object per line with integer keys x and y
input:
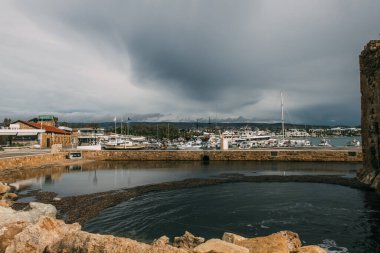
{"x": 31, "y": 160}
{"x": 312, "y": 155}
{"x": 307, "y": 155}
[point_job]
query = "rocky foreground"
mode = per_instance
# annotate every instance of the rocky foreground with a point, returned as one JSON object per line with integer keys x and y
{"x": 36, "y": 229}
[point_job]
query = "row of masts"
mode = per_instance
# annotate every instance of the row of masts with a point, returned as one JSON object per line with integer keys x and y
{"x": 282, "y": 116}
{"x": 121, "y": 126}
{"x": 209, "y": 121}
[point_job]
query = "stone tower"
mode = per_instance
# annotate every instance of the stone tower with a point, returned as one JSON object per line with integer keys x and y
{"x": 370, "y": 122}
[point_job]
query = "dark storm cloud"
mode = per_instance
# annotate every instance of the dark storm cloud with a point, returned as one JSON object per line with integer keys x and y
{"x": 194, "y": 58}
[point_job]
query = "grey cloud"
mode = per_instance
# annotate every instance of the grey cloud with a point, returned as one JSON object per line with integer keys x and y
{"x": 205, "y": 57}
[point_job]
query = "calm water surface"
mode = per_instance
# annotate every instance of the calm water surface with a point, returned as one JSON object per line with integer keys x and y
{"x": 337, "y": 218}
{"x": 105, "y": 176}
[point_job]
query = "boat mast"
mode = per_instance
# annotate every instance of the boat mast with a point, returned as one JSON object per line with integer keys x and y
{"x": 115, "y": 124}
{"x": 121, "y": 126}
{"x": 282, "y": 116}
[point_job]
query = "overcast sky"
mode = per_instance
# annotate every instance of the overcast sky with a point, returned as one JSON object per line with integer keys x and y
{"x": 90, "y": 61}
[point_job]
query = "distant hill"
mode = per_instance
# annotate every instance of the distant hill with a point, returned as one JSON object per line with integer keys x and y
{"x": 199, "y": 125}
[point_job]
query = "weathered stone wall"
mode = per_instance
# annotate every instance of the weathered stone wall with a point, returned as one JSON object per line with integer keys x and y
{"x": 370, "y": 104}
{"x": 322, "y": 155}
{"x": 32, "y": 160}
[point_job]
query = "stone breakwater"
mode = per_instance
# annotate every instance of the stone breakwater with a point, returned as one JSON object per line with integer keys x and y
{"x": 37, "y": 230}
{"x": 310, "y": 155}
{"x": 306, "y": 155}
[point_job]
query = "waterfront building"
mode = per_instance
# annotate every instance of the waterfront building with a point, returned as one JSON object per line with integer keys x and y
{"x": 51, "y": 135}
{"x": 47, "y": 120}
{"x": 90, "y": 135}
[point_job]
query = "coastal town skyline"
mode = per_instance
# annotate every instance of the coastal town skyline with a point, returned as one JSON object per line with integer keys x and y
{"x": 89, "y": 61}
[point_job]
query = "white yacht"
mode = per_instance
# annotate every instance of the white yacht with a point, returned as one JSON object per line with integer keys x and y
{"x": 324, "y": 143}
{"x": 246, "y": 145}
{"x": 354, "y": 143}
{"x": 191, "y": 145}
{"x": 117, "y": 142}
{"x": 297, "y": 133}
{"x": 300, "y": 143}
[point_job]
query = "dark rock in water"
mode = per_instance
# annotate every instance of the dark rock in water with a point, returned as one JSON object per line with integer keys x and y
{"x": 369, "y": 177}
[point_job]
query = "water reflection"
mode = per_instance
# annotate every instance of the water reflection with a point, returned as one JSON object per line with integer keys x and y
{"x": 95, "y": 180}
{"x": 77, "y": 167}
{"x": 105, "y": 175}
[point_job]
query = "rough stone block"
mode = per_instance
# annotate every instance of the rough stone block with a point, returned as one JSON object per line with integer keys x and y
{"x": 219, "y": 246}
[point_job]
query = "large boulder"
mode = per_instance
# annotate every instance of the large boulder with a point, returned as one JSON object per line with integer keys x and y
{"x": 52, "y": 235}
{"x": 9, "y": 231}
{"x": 83, "y": 242}
{"x": 232, "y": 238}
{"x": 311, "y": 249}
{"x": 8, "y": 215}
{"x": 219, "y": 246}
{"x": 4, "y": 188}
{"x": 162, "y": 241}
{"x": 281, "y": 242}
{"x": 80, "y": 241}
{"x": 38, "y": 237}
{"x": 187, "y": 241}
{"x": 5, "y": 203}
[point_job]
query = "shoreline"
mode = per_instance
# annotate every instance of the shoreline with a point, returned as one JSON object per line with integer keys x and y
{"x": 82, "y": 208}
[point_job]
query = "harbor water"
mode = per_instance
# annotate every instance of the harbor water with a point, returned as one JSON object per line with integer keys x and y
{"x": 338, "y": 218}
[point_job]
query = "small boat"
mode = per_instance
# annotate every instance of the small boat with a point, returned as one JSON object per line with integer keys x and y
{"x": 245, "y": 145}
{"x": 189, "y": 146}
{"x": 300, "y": 143}
{"x": 324, "y": 143}
{"x": 354, "y": 143}
{"x": 283, "y": 143}
{"x": 120, "y": 143}
{"x": 123, "y": 147}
